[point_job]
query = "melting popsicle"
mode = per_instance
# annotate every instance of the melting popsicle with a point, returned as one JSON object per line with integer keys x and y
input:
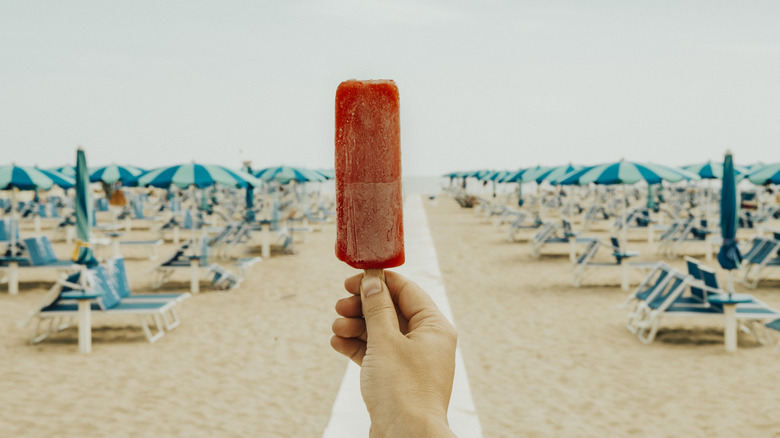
{"x": 369, "y": 233}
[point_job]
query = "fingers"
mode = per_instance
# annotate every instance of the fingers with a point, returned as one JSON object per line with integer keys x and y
{"x": 352, "y": 284}
{"x": 350, "y": 307}
{"x": 355, "y": 349}
{"x": 350, "y": 328}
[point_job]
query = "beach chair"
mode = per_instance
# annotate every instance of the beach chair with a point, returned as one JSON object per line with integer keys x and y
{"x": 186, "y": 258}
{"x": 762, "y": 255}
{"x": 775, "y": 325}
{"x": 152, "y": 315}
{"x": 550, "y": 233}
{"x": 586, "y": 261}
{"x": 34, "y": 253}
{"x": 519, "y": 223}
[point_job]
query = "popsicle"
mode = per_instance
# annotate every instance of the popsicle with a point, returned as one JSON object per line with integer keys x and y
{"x": 369, "y": 201}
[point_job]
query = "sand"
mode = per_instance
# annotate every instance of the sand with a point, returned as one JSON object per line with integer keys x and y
{"x": 543, "y": 358}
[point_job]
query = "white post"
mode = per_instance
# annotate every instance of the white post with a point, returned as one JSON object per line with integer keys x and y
{"x": 624, "y": 276}
{"x": 37, "y": 223}
{"x": 13, "y": 278}
{"x": 729, "y": 311}
{"x": 266, "y": 240}
{"x": 194, "y": 276}
{"x": 175, "y": 234}
{"x": 85, "y": 326}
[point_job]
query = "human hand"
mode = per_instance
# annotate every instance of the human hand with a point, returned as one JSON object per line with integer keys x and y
{"x": 406, "y": 350}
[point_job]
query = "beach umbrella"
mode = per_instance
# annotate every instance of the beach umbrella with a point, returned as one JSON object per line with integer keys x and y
{"x": 59, "y": 179}
{"x": 710, "y": 170}
{"x": 551, "y": 174}
{"x": 627, "y": 172}
{"x": 729, "y": 256}
{"x": 83, "y": 253}
{"x": 571, "y": 178}
{"x": 285, "y": 174}
{"x": 521, "y": 175}
{"x": 23, "y": 178}
{"x": 65, "y": 170}
{"x": 113, "y": 173}
{"x": 769, "y": 173}
{"x": 199, "y": 175}
{"x": 327, "y": 173}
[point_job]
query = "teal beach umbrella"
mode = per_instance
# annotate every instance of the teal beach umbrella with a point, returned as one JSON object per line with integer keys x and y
{"x": 729, "y": 256}
{"x": 83, "y": 208}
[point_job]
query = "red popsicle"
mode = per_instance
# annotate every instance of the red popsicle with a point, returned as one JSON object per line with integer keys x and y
{"x": 369, "y": 201}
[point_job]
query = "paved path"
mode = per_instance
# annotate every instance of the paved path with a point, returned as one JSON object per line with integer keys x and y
{"x": 349, "y": 417}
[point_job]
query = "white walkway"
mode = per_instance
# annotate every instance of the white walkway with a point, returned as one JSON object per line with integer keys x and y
{"x": 350, "y": 418}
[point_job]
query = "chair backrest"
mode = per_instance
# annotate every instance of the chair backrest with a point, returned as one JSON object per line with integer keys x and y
{"x": 588, "y": 252}
{"x": 763, "y": 253}
{"x": 669, "y": 292}
{"x": 37, "y": 253}
{"x": 694, "y": 270}
{"x": 755, "y": 244}
{"x": 115, "y": 267}
{"x": 106, "y": 285}
{"x": 138, "y": 208}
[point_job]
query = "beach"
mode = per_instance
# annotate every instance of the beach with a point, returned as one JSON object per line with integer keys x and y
{"x": 543, "y": 358}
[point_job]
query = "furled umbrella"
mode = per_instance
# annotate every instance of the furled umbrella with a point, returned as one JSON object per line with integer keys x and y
{"x": 83, "y": 253}
{"x": 729, "y": 256}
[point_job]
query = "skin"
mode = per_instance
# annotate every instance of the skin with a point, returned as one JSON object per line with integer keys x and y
{"x": 406, "y": 350}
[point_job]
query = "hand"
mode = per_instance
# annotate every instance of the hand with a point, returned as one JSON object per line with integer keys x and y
{"x": 406, "y": 350}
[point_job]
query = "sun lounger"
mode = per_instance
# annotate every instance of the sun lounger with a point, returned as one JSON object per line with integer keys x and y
{"x": 765, "y": 253}
{"x": 98, "y": 281}
{"x": 35, "y": 253}
{"x": 586, "y": 261}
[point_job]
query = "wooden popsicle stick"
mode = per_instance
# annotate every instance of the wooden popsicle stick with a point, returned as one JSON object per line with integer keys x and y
{"x": 377, "y": 272}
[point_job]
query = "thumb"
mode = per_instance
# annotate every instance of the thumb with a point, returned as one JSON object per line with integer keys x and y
{"x": 378, "y": 308}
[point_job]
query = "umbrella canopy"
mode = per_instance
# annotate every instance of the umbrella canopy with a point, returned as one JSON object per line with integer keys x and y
{"x": 199, "y": 175}
{"x": 524, "y": 175}
{"x": 710, "y": 170}
{"x": 769, "y": 173}
{"x": 627, "y": 172}
{"x": 64, "y": 181}
{"x": 729, "y": 256}
{"x": 571, "y": 178}
{"x": 551, "y": 174}
{"x": 23, "y": 178}
{"x": 83, "y": 209}
{"x": 327, "y": 173}
{"x": 65, "y": 170}
{"x": 113, "y": 173}
{"x": 285, "y": 174}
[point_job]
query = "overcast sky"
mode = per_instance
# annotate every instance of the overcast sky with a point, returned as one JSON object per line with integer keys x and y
{"x": 484, "y": 84}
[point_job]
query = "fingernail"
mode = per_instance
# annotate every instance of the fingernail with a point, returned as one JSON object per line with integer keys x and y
{"x": 371, "y": 285}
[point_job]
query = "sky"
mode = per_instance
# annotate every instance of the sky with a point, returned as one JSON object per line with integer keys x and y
{"x": 484, "y": 84}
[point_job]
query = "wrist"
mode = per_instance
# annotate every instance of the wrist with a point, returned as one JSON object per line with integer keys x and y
{"x": 426, "y": 425}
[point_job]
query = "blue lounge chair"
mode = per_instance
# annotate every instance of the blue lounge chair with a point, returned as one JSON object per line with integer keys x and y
{"x": 586, "y": 261}
{"x": 108, "y": 302}
{"x": 763, "y": 254}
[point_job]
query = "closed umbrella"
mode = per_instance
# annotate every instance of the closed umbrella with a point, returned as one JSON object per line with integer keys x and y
{"x": 83, "y": 253}
{"x": 729, "y": 256}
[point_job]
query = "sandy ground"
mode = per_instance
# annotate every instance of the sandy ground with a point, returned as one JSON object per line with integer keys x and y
{"x": 543, "y": 358}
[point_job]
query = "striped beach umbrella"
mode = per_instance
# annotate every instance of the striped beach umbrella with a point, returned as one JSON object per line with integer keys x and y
{"x": 524, "y": 175}
{"x": 769, "y": 173}
{"x": 60, "y": 180}
{"x": 285, "y": 174}
{"x": 113, "y": 173}
{"x": 327, "y": 173}
{"x": 710, "y": 170}
{"x": 199, "y": 175}
{"x": 571, "y": 178}
{"x": 551, "y": 174}
{"x": 729, "y": 256}
{"x": 627, "y": 172}
{"x": 83, "y": 209}
{"x": 23, "y": 178}
{"x": 65, "y": 170}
